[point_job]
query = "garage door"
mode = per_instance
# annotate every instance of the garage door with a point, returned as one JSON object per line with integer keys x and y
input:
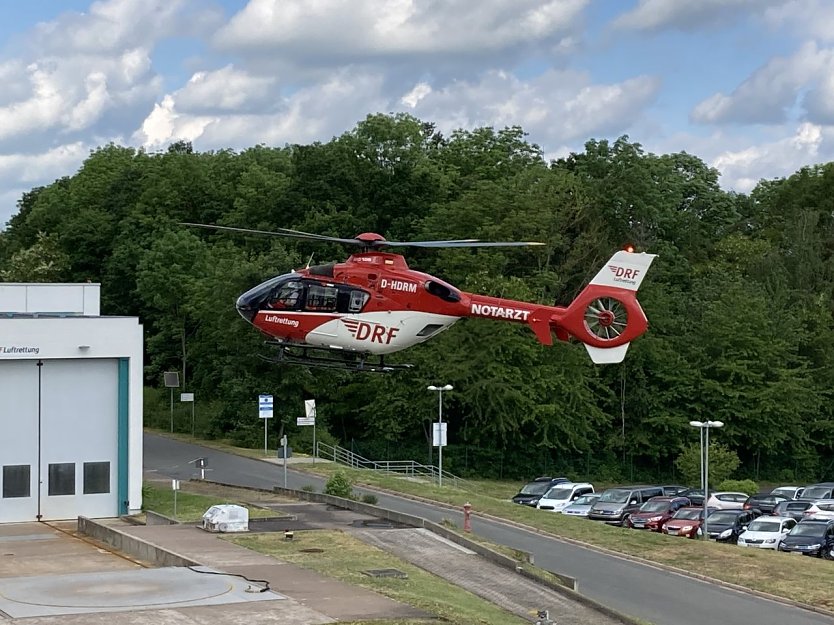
{"x": 59, "y": 447}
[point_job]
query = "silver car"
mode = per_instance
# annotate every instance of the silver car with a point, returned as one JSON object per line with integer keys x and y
{"x": 581, "y": 505}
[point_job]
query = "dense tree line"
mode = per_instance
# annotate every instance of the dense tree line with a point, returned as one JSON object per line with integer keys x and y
{"x": 740, "y": 301}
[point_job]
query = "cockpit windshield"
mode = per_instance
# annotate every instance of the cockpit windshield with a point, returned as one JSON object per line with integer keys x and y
{"x": 293, "y": 292}
{"x": 288, "y": 296}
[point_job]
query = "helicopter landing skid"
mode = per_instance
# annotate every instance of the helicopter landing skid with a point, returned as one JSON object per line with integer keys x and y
{"x": 323, "y": 357}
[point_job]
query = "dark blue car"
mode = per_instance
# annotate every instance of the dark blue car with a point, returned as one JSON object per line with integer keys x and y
{"x": 812, "y": 538}
{"x": 531, "y": 492}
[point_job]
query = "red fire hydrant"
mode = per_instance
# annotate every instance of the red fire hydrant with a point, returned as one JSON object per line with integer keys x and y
{"x": 467, "y": 514}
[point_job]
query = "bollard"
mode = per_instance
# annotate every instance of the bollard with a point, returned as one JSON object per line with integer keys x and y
{"x": 467, "y": 514}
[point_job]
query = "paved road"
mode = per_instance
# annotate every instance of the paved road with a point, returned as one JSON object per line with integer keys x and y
{"x": 641, "y": 591}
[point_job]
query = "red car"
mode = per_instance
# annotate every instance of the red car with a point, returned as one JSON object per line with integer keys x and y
{"x": 686, "y": 522}
{"x": 654, "y": 514}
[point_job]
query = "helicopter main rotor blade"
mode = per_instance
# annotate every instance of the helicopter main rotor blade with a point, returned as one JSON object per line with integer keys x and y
{"x": 279, "y": 232}
{"x": 365, "y": 243}
{"x": 461, "y": 243}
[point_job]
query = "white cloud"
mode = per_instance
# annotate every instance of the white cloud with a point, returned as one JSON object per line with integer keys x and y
{"x": 110, "y": 26}
{"x": 807, "y": 18}
{"x": 317, "y": 112}
{"x": 330, "y": 31}
{"x": 654, "y": 15}
{"x": 556, "y": 107}
{"x": 226, "y": 89}
{"x": 768, "y": 94}
{"x": 420, "y": 91}
{"x": 69, "y": 94}
{"x": 49, "y": 165}
{"x": 743, "y": 169}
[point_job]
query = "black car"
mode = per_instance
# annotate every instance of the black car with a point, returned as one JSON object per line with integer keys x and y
{"x": 724, "y": 526}
{"x": 764, "y": 502}
{"x": 794, "y": 508}
{"x": 531, "y": 492}
{"x": 694, "y": 495}
{"x": 674, "y": 490}
{"x": 812, "y": 538}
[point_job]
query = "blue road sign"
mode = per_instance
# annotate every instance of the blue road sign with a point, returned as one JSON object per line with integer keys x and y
{"x": 265, "y": 406}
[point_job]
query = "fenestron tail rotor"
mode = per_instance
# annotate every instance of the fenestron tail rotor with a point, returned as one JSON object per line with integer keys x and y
{"x": 606, "y": 318}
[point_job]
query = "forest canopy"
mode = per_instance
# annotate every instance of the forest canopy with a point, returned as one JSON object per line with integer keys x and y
{"x": 739, "y": 300}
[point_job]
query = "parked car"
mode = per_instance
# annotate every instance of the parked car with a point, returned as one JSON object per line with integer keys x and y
{"x": 686, "y": 522}
{"x": 581, "y": 506}
{"x": 615, "y": 505}
{"x": 531, "y": 492}
{"x": 823, "y": 490}
{"x": 791, "y": 492}
{"x": 724, "y": 500}
{"x": 766, "y": 532}
{"x": 822, "y": 510}
{"x": 673, "y": 490}
{"x": 725, "y": 526}
{"x": 654, "y": 514}
{"x": 794, "y": 508}
{"x": 763, "y": 502}
{"x": 812, "y": 538}
{"x": 563, "y": 494}
{"x": 695, "y": 495}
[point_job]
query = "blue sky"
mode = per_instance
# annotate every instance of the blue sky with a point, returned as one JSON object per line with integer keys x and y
{"x": 746, "y": 85}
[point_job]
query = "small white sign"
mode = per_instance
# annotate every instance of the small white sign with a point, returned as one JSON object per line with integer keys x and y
{"x": 175, "y": 484}
{"x": 438, "y": 434}
{"x": 265, "y": 405}
{"x": 186, "y": 396}
{"x": 305, "y": 421}
{"x": 310, "y": 408}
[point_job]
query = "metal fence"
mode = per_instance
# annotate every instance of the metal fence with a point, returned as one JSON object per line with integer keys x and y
{"x": 406, "y": 468}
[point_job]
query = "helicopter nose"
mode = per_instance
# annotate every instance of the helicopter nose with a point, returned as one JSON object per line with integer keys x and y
{"x": 246, "y": 307}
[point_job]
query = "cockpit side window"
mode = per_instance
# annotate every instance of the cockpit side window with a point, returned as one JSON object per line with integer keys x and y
{"x": 289, "y": 296}
{"x": 321, "y": 297}
{"x": 358, "y": 299}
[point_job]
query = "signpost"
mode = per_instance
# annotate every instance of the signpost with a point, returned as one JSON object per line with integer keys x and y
{"x": 189, "y": 397}
{"x": 172, "y": 381}
{"x": 284, "y": 445}
{"x": 175, "y": 486}
{"x": 265, "y": 406}
{"x": 309, "y": 419}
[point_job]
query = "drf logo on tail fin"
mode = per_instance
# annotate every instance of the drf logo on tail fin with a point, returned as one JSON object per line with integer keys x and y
{"x": 624, "y": 274}
{"x": 373, "y": 332}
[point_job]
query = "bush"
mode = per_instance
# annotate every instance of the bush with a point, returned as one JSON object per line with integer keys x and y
{"x": 369, "y": 499}
{"x": 739, "y": 486}
{"x": 339, "y": 485}
{"x": 722, "y": 462}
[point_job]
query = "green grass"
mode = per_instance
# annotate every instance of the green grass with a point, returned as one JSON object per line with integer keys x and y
{"x": 799, "y": 578}
{"x": 190, "y": 506}
{"x": 345, "y": 557}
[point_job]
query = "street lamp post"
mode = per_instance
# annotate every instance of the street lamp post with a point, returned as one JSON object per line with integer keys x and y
{"x": 705, "y": 427}
{"x": 440, "y": 440}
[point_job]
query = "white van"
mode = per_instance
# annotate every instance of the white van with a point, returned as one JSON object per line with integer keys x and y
{"x": 562, "y": 495}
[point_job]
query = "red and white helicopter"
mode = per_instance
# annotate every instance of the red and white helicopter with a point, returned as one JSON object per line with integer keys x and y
{"x": 350, "y": 315}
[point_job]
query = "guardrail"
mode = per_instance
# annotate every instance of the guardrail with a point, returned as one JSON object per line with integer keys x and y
{"x": 407, "y": 468}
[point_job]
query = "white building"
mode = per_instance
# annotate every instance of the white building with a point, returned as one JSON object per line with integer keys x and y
{"x": 70, "y": 405}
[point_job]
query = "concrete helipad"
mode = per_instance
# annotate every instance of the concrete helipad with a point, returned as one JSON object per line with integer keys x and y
{"x": 121, "y": 591}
